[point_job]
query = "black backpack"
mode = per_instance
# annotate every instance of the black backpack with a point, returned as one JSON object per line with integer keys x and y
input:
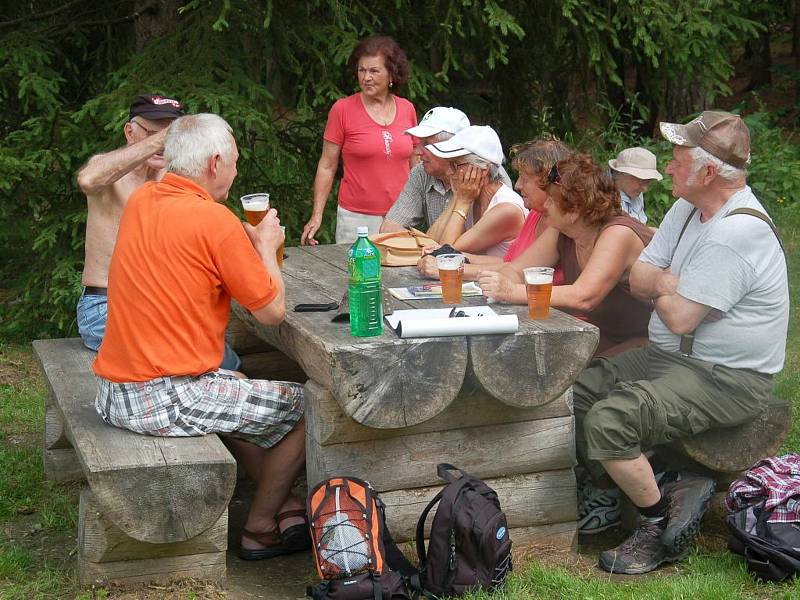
{"x": 771, "y": 550}
{"x": 470, "y": 547}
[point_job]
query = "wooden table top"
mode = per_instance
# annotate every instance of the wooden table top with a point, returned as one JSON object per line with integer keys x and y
{"x": 388, "y": 382}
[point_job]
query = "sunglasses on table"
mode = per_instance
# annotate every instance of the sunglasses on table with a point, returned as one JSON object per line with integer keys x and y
{"x": 554, "y": 176}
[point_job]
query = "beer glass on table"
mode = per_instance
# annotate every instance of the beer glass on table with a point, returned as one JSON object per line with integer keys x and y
{"x": 255, "y": 207}
{"x": 539, "y": 284}
{"x": 451, "y": 275}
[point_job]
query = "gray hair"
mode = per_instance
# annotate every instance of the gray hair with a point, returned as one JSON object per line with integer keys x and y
{"x": 440, "y": 137}
{"x": 701, "y": 158}
{"x": 193, "y": 139}
{"x": 481, "y": 163}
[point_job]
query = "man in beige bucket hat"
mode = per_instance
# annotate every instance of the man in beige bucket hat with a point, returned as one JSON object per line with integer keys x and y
{"x": 716, "y": 277}
{"x": 633, "y": 171}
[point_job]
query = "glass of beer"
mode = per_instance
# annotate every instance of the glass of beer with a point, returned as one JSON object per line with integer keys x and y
{"x": 539, "y": 284}
{"x": 255, "y": 207}
{"x": 279, "y": 251}
{"x": 451, "y": 274}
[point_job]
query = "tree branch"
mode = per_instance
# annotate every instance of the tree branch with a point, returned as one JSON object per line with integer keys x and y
{"x": 40, "y": 16}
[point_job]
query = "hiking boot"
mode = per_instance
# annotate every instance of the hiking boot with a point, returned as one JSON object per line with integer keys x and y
{"x": 601, "y": 508}
{"x": 688, "y": 499}
{"x": 642, "y": 552}
{"x": 598, "y": 509}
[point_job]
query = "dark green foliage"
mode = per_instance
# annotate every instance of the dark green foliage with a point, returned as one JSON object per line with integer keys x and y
{"x": 596, "y": 72}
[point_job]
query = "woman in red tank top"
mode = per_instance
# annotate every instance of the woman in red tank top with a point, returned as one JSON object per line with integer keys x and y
{"x": 596, "y": 244}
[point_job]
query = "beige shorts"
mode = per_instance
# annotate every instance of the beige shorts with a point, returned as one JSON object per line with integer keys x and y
{"x": 348, "y": 221}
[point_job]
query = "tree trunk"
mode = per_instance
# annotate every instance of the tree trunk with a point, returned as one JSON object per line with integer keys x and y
{"x": 761, "y": 62}
{"x": 796, "y": 29}
{"x": 156, "y": 18}
{"x": 684, "y": 98}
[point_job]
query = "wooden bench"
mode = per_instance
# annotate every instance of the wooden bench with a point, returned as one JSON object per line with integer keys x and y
{"x": 154, "y": 509}
{"x": 736, "y": 449}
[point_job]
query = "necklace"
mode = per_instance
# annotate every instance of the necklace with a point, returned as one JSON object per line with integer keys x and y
{"x": 381, "y": 112}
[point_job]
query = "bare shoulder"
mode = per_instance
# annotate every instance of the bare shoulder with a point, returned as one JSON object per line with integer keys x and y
{"x": 619, "y": 234}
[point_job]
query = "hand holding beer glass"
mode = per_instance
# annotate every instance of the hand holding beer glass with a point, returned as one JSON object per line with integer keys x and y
{"x": 451, "y": 274}
{"x": 255, "y": 207}
{"x": 539, "y": 284}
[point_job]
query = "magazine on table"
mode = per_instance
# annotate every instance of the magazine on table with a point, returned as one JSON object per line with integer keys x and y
{"x": 432, "y": 290}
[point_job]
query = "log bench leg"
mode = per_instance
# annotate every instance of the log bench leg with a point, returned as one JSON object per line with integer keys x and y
{"x": 107, "y": 555}
{"x": 60, "y": 461}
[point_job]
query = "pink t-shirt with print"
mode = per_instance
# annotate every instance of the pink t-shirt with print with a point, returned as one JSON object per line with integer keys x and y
{"x": 375, "y": 157}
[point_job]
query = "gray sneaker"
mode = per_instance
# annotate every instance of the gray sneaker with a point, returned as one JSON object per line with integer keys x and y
{"x": 688, "y": 499}
{"x": 642, "y": 552}
{"x": 598, "y": 509}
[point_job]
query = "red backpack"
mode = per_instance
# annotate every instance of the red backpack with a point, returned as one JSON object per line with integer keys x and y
{"x": 353, "y": 550}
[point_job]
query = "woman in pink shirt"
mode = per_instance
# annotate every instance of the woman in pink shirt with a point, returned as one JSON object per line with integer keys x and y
{"x": 367, "y": 130}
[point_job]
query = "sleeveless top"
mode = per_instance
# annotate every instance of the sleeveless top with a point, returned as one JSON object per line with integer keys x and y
{"x": 620, "y": 316}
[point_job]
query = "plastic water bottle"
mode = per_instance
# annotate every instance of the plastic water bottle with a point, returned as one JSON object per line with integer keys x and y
{"x": 364, "y": 286}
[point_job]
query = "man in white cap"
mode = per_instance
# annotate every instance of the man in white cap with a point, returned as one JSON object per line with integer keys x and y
{"x": 427, "y": 190}
{"x": 633, "y": 171}
{"x": 715, "y": 274}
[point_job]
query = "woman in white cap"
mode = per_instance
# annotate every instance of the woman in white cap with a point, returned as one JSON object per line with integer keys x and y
{"x": 485, "y": 215}
{"x": 633, "y": 171}
{"x": 367, "y": 131}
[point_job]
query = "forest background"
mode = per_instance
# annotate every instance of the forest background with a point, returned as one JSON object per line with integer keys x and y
{"x": 598, "y": 73}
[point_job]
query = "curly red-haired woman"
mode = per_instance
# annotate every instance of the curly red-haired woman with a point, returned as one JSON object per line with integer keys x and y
{"x": 596, "y": 244}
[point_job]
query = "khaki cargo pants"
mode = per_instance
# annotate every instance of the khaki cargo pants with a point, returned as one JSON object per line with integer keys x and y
{"x": 647, "y": 396}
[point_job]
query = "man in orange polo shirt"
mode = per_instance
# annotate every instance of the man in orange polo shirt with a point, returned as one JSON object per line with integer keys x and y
{"x": 180, "y": 257}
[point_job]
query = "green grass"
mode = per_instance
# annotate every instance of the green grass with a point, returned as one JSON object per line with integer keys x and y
{"x": 33, "y": 512}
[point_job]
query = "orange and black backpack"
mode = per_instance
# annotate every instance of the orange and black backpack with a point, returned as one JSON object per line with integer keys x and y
{"x": 354, "y": 552}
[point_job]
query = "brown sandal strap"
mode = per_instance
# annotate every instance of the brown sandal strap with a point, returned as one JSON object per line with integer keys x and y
{"x": 297, "y": 512}
{"x": 264, "y": 538}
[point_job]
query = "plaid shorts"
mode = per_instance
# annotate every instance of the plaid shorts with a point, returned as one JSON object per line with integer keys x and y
{"x": 255, "y": 410}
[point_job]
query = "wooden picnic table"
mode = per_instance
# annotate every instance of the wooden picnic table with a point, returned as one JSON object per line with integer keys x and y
{"x": 388, "y": 409}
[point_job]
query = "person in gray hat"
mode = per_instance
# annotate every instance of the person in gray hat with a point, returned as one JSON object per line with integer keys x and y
{"x": 715, "y": 274}
{"x": 633, "y": 171}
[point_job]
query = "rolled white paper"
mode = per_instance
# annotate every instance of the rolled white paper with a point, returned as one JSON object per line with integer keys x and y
{"x": 436, "y": 323}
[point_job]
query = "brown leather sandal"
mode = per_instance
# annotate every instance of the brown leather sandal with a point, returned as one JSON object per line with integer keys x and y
{"x": 296, "y": 537}
{"x": 271, "y": 540}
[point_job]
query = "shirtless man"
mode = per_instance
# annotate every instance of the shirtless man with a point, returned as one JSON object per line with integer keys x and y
{"x": 108, "y": 180}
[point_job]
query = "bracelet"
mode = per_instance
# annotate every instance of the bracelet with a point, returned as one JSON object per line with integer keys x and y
{"x": 460, "y": 213}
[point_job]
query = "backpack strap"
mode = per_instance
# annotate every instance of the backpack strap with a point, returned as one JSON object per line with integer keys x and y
{"x": 395, "y": 559}
{"x": 685, "y": 225}
{"x": 420, "y": 535}
{"x": 443, "y": 471}
{"x": 759, "y": 215}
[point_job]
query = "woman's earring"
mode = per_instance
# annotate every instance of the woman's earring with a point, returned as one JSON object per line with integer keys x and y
{"x": 391, "y": 83}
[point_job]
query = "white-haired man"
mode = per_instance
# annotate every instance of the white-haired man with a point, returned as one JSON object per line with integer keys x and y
{"x": 179, "y": 258}
{"x": 716, "y": 275}
{"x": 427, "y": 190}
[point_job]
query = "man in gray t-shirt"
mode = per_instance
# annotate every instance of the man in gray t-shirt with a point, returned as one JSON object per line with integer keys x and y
{"x": 716, "y": 276}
